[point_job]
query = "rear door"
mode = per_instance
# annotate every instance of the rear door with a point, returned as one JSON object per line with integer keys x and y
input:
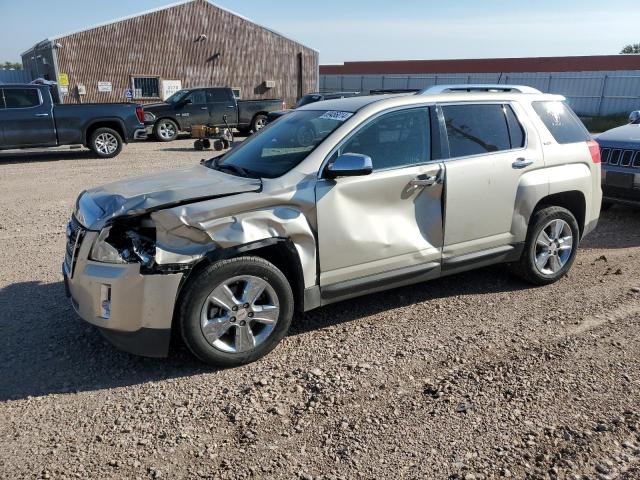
{"x": 489, "y": 152}
{"x": 27, "y": 119}
{"x": 221, "y": 102}
{"x": 390, "y": 221}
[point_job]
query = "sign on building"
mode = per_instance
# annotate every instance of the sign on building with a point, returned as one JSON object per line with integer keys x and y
{"x": 104, "y": 87}
{"x": 169, "y": 87}
{"x": 63, "y": 80}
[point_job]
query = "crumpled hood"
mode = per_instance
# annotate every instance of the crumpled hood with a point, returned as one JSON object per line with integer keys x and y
{"x": 139, "y": 195}
{"x": 625, "y": 134}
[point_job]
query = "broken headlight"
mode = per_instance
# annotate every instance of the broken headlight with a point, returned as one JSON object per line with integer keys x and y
{"x": 125, "y": 244}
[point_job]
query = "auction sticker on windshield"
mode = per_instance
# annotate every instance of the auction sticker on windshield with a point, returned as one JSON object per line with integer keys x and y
{"x": 335, "y": 115}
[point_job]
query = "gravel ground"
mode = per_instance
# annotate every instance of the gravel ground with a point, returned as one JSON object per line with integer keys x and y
{"x": 473, "y": 376}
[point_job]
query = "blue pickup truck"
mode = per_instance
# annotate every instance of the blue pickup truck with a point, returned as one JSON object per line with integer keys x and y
{"x": 29, "y": 118}
{"x": 620, "y": 153}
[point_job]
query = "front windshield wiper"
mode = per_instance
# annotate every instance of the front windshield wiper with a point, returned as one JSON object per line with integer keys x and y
{"x": 230, "y": 167}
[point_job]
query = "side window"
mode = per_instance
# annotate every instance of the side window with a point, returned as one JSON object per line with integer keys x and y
{"x": 561, "y": 122}
{"x": 394, "y": 140}
{"x": 21, "y": 97}
{"x": 476, "y": 129}
{"x": 516, "y": 132}
{"x": 217, "y": 95}
{"x": 198, "y": 97}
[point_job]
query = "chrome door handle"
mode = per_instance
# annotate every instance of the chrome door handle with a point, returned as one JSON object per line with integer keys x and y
{"x": 231, "y": 106}
{"x": 42, "y": 114}
{"x": 423, "y": 181}
{"x": 522, "y": 163}
{"x": 204, "y": 108}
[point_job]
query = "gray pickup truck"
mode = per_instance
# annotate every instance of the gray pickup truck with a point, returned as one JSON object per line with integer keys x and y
{"x": 213, "y": 106}
{"x": 29, "y": 119}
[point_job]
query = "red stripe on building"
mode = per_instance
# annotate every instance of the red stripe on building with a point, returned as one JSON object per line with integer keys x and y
{"x": 488, "y": 65}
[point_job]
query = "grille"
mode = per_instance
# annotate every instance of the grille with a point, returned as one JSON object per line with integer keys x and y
{"x": 620, "y": 157}
{"x": 75, "y": 232}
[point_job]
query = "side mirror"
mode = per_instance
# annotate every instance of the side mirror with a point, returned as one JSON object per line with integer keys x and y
{"x": 187, "y": 101}
{"x": 634, "y": 117}
{"x": 349, "y": 165}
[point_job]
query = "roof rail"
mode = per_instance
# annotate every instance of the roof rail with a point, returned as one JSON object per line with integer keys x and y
{"x": 436, "y": 89}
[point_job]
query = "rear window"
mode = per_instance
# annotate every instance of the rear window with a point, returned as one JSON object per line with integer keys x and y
{"x": 476, "y": 129}
{"x": 21, "y": 97}
{"x": 561, "y": 122}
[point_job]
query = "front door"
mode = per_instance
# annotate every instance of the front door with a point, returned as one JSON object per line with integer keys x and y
{"x": 27, "y": 119}
{"x": 388, "y": 222}
{"x": 489, "y": 153}
{"x": 195, "y": 111}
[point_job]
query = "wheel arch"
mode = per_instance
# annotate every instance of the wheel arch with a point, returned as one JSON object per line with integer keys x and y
{"x": 281, "y": 252}
{"x": 168, "y": 117}
{"x": 113, "y": 123}
{"x": 572, "y": 200}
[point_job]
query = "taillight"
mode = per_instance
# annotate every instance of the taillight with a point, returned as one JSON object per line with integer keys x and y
{"x": 594, "y": 150}
{"x": 284, "y": 105}
{"x": 140, "y": 113}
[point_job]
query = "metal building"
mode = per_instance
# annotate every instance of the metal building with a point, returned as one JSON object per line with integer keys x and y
{"x": 186, "y": 44}
{"x": 594, "y": 85}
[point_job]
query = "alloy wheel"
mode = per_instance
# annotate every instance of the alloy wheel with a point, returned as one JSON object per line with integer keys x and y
{"x": 106, "y": 143}
{"x": 239, "y": 314}
{"x": 167, "y": 130}
{"x": 553, "y": 247}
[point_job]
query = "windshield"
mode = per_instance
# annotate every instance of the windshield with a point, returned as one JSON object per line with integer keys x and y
{"x": 282, "y": 145}
{"x": 307, "y": 99}
{"x": 177, "y": 97}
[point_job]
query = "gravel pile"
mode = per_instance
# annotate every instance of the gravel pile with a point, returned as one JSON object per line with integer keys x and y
{"x": 474, "y": 376}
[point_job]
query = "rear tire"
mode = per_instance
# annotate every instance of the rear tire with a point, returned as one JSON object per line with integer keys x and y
{"x": 548, "y": 255}
{"x": 105, "y": 142}
{"x": 219, "y": 335}
{"x": 258, "y": 123}
{"x": 165, "y": 130}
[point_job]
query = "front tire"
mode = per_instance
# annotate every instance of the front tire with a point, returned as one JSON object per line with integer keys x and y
{"x": 105, "y": 142}
{"x": 165, "y": 130}
{"x": 551, "y": 246}
{"x": 235, "y": 311}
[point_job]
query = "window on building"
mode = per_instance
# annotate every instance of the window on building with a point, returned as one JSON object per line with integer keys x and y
{"x": 21, "y": 97}
{"x": 146, "y": 87}
{"x": 476, "y": 129}
{"x": 394, "y": 140}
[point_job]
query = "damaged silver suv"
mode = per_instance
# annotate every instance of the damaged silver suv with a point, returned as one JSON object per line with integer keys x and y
{"x": 337, "y": 199}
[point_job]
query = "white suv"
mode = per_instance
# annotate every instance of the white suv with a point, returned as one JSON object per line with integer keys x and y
{"x": 336, "y": 199}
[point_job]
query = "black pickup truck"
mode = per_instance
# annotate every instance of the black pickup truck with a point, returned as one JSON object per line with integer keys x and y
{"x": 206, "y": 106}
{"x": 29, "y": 119}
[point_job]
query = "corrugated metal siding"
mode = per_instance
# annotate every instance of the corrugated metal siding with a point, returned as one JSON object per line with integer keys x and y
{"x": 589, "y": 93}
{"x": 164, "y": 44}
{"x": 15, "y": 76}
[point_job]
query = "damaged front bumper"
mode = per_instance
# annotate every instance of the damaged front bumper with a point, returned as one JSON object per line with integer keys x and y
{"x": 134, "y": 311}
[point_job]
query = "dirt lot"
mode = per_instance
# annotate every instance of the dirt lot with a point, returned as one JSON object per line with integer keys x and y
{"x": 473, "y": 376}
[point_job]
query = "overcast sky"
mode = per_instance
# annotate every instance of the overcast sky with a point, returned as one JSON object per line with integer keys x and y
{"x": 344, "y": 30}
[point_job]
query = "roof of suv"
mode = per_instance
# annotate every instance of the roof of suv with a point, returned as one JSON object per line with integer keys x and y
{"x": 353, "y": 104}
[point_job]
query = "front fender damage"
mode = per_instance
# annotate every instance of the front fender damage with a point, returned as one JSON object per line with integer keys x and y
{"x": 183, "y": 241}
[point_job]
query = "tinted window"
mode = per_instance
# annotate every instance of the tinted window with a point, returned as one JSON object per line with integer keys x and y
{"x": 394, "y": 140}
{"x": 198, "y": 97}
{"x": 218, "y": 95}
{"x": 561, "y": 122}
{"x": 280, "y": 146}
{"x": 476, "y": 129}
{"x": 21, "y": 97}
{"x": 516, "y": 132}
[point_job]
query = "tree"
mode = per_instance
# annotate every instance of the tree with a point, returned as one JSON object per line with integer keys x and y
{"x": 631, "y": 48}
{"x": 10, "y": 66}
